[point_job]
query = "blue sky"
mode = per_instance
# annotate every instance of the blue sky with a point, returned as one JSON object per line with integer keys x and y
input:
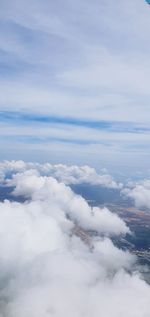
{"x": 74, "y": 82}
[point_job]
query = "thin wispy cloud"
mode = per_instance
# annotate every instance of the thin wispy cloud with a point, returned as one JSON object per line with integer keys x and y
{"x": 81, "y": 65}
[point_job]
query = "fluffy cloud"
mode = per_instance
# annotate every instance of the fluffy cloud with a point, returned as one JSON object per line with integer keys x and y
{"x": 35, "y": 187}
{"x": 139, "y": 193}
{"x": 66, "y": 174}
{"x": 51, "y": 264}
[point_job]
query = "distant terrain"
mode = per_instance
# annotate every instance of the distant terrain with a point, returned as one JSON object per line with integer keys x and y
{"x": 137, "y": 220}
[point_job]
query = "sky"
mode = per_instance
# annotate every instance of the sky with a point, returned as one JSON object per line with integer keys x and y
{"x": 74, "y": 83}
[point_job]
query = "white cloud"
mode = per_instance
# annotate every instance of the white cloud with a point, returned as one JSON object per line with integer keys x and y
{"x": 46, "y": 269}
{"x": 140, "y": 193}
{"x": 67, "y": 174}
{"x": 30, "y": 185}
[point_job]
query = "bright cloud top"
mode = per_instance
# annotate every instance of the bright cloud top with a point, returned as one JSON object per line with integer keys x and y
{"x": 63, "y": 173}
{"x": 51, "y": 265}
{"x": 139, "y": 193}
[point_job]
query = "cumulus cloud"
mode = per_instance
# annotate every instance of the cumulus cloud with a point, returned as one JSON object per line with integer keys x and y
{"x": 35, "y": 187}
{"x": 57, "y": 257}
{"x": 66, "y": 174}
{"x": 139, "y": 193}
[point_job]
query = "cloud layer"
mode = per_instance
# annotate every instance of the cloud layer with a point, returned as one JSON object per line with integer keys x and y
{"x": 64, "y": 173}
{"x": 57, "y": 257}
